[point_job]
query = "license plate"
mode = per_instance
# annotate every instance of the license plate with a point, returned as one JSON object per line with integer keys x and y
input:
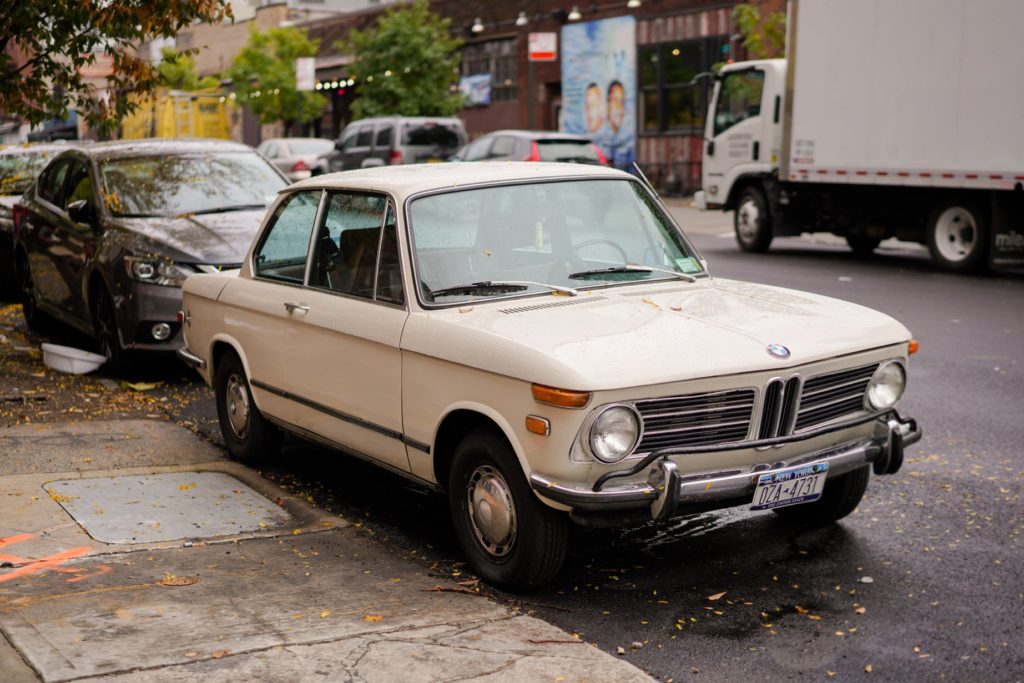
{"x": 793, "y": 486}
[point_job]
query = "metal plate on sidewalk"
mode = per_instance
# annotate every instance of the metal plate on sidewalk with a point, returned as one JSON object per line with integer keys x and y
{"x": 165, "y": 507}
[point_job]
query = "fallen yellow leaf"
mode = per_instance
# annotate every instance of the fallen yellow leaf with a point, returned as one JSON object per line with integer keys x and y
{"x": 373, "y": 617}
{"x": 326, "y": 613}
{"x": 717, "y": 596}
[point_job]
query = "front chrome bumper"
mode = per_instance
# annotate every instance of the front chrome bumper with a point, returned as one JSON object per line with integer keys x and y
{"x": 668, "y": 492}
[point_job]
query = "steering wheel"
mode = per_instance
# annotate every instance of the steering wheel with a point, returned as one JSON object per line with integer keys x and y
{"x": 577, "y": 248}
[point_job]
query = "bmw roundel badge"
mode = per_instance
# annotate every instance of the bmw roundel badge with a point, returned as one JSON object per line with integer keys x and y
{"x": 778, "y": 351}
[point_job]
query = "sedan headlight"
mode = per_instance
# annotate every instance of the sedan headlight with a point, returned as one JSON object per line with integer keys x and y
{"x": 886, "y": 386}
{"x": 613, "y": 433}
{"x": 157, "y": 271}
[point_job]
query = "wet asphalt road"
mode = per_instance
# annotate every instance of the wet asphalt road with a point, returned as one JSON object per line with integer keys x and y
{"x": 925, "y": 581}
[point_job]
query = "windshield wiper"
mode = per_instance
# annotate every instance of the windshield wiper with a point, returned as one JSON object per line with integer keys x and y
{"x": 226, "y": 209}
{"x": 498, "y": 286}
{"x": 631, "y": 268}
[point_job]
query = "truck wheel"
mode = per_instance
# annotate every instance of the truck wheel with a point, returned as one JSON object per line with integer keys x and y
{"x": 841, "y": 496}
{"x": 248, "y": 435}
{"x": 510, "y": 538}
{"x": 863, "y": 245}
{"x": 958, "y": 237}
{"x": 753, "y": 221}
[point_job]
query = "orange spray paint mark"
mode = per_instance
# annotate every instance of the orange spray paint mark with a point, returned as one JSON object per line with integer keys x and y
{"x": 42, "y": 564}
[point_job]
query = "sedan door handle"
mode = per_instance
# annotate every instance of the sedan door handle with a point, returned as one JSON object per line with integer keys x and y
{"x": 291, "y": 308}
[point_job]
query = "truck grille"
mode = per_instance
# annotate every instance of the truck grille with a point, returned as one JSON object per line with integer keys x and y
{"x": 827, "y": 397}
{"x": 695, "y": 419}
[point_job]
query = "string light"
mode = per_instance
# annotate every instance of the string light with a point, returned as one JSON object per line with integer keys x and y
{"x": 478, "y": 25}
{"x": 522, "y": 20}
{"x": 575, "y": 15}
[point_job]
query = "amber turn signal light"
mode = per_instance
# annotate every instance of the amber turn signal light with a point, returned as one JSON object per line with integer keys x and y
{"x": 912, "y": 347}
{"x": 560, "y": 397}
{"x": 538, "y": 425}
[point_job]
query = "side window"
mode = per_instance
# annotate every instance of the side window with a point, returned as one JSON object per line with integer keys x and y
{"x": 79, "y": 185}
{"x": 285, "y": 245}
{"x": 502, "y": 147}
{"x": 365, "y": 136}
{"x": 51, "y": 183}
{"x": 383, "y": 136}
{"x": 477, "y": 150}
{"x": 389, "y": 270}
{"x": 347, "y": 243}
{"x": 739, "y": 98}
{"x": 348, "y": 140}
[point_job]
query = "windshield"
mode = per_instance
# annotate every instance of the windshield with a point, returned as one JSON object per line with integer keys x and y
{"x": 431, "y": 134}
{"x": 17, "y": 171}
{"x": 531, "y": 238}
{"x": 176, "y": 184}
{"x": 579, "y": 151}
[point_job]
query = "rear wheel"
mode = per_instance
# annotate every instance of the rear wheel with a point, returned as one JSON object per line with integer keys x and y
{"x": 958, "y": 237}
{"x": 841, "y": 496}
{"x": 36, "y": 320}
{"x": 511, "y": 539}
{"x": 248, "y": 435}
{"x": 753, "y": 221}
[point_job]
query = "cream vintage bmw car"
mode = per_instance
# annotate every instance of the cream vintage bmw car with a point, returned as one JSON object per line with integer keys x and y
{"x": 542, "y": 342}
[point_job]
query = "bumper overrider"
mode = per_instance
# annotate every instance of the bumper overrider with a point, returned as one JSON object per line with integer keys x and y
{"x": 668, "y": 492}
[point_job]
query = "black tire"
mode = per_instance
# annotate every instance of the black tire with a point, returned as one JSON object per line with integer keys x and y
{"x": 522, "y": 549}
{"x": 104, "y": 324}
{"x": 958, "y": 237}
{"x": 752, "y": 221}
{"x": 841, "y": 496}
{"x": 36, "y": 320}
{"x": 248, "y": 436}
{"x": 863, "y": 245}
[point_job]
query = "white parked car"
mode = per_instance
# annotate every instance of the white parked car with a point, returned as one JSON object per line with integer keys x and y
{"x": 541, "y": 342}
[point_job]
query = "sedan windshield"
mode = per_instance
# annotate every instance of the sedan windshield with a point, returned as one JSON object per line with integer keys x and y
{"x": 177, "y": 184}
{"x": 547, "y": 237}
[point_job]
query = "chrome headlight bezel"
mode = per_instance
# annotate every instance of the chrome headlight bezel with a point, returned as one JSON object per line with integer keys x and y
{"x": 589, "y": 434}
{"x": 884, "y": 371}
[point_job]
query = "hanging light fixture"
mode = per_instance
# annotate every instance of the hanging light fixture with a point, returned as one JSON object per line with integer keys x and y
{"x": 478, "y": 25}
{"x": 633, "y": 4}
{"x": 575, "y": 15}
{"x": 521, "y": 20}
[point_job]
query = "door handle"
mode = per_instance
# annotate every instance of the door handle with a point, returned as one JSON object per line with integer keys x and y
{"x": 291, "y": 308}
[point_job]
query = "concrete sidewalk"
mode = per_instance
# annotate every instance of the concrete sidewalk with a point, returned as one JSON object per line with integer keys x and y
{"x": 266, "y": 588}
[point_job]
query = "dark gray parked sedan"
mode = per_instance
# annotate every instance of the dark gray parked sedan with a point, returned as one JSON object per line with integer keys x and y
{"x": 108, "y": 233}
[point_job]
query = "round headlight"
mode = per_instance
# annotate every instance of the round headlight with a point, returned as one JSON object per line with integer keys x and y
{"x": 886, "y": 386}
{"x": 614, "y": 433}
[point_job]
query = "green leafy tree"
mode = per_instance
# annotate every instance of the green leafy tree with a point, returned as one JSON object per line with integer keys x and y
{"x": 263, "y": 74}
{"x": 44, "y": 47}
{"x": 405, "y": 64}
{"x": 763, "y": 36}
{"x": 178, "y": 72}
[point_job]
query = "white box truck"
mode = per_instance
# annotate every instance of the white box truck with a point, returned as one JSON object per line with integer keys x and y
{"x": 888, "y": 118}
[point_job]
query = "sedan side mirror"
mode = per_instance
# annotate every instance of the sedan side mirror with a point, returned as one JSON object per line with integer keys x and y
{"x": 81, "y": 212}
{"x": 340, "y": 146}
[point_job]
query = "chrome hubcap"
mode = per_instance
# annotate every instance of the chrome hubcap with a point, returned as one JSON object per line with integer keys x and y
{"x": 237, "y": 404}
{"x": 956, "y": 234}
{"x": 748, "y": 218}
{"x": 492, "y": 513}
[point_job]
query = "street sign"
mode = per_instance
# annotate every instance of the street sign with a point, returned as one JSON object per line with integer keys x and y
{"x": 305, "y": 73}
{"x": 543, "y": 47}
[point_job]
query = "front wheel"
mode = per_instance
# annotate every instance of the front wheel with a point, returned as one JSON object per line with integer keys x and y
{"x": 753, "y": 221}
{"x": 248, "y": 436}
{"x": 841, "y": 496}
{"x": 107, "y": 335}
{"x": 861, "y": 244}
{"x": 958, "y": 237}
{"x": 510, "y": 538}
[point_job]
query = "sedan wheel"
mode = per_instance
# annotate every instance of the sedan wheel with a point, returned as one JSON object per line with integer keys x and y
{"x": 105, "y": 327}
{"x": 248, "y": 435}
{"x": 34, "y": 318}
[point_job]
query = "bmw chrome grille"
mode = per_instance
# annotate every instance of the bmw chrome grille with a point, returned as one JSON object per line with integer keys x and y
{"x": 695, "y": 419}
{"x": 833, "y": 395}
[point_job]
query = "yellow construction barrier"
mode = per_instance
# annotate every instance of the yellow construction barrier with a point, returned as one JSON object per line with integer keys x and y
{"x": 179, "y": 114}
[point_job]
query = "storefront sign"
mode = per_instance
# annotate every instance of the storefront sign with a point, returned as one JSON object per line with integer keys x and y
{"x": 476, "y": 89}
{"x": 543, "y": 47}
{"x": 305, "y": 73}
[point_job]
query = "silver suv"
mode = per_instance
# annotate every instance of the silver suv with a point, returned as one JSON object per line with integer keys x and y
{"x": 390, "y": 140}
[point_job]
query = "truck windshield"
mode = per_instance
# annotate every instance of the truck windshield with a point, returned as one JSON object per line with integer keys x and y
{"x": 739, "y": 98}
{"x": 539, "y": 237}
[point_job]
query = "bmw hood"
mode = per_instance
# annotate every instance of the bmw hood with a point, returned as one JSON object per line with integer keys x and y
{"x": 649, "y": 333}
{"x": 216, "y": 238}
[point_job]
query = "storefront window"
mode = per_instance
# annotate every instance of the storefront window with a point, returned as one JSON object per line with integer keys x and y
{"x": 671, "y": 101}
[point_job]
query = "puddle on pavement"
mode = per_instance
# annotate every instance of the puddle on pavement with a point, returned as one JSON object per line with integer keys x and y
{"x": 165, "y": 507}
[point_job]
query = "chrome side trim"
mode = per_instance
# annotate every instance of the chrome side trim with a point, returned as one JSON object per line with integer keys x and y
{"x": 190, "y": 359}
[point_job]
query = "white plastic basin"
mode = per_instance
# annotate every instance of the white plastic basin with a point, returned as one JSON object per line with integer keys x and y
{"x": 67, "y": 359}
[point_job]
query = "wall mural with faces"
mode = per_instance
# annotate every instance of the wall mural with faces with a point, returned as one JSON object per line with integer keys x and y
{"x": 599, "y": 85}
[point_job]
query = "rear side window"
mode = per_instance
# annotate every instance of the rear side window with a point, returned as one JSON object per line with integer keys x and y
{"x": 285, "y": 245}
{"x": 51, "y": 183}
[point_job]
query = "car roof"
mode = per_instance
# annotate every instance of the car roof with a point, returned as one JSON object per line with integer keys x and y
{"x": 158, "y": 146}
{"x": 287, "y": 140}
{"x": 410, "y": 179}
{"x": 406, "y": 119}
{"x": 34, "y": 147}
{"x": 539, "y": 135}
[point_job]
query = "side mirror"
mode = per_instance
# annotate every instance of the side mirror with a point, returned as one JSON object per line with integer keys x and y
{"x": 372, "y": 162}
{"x": 81, "y": 212}
{"x": 339, "y": 145}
